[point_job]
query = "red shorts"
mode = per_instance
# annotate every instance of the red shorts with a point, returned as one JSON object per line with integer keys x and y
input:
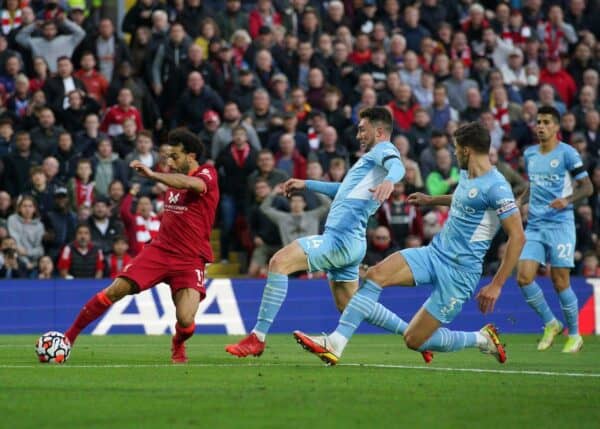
{"x": 152, "y": 266}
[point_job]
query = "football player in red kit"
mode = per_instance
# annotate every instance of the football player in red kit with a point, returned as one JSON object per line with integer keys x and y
{"x": 178, "y": 254}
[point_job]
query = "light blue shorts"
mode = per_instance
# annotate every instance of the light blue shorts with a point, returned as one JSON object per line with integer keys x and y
{"x": 555, "y": 244}
{"x": 451, "y": 287}
{"x": 337, "y": 256}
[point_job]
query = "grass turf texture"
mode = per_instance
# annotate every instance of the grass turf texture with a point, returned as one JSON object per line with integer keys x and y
{"x": 127, "y": 381}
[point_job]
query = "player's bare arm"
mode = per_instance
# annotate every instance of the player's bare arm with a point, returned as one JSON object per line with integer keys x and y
{"x": 583, "y": 190}
{"x": 174, "y": 180}
{"x": 421, "y": 199}
{"x": 488, "y": 295}
{"x": 524, "y": 197}
{"x": 292, "y": 185}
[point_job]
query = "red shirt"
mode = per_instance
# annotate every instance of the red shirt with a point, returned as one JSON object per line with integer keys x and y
{"x": 188, "y": 218}
{"x": 115, "y": 116}
{"x": 95, "y": 84}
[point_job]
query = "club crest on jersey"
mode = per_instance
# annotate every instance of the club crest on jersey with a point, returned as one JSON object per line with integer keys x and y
{"x": 472, "y": 192}
{"x": 554, "y": 163}
{"x": 173, "y": 197}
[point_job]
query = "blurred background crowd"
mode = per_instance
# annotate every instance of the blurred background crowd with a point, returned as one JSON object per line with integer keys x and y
{"x": 273, "y": 88}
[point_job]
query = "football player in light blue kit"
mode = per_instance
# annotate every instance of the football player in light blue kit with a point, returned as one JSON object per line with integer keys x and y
{"x": 342, "y": 246}
{"x": 552, "y": 166}
{"x": 452, "y": 262}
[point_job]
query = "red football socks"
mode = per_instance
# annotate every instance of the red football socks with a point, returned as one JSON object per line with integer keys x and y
{"x": 93, "y": 309}
{"x": 182, "y": 334}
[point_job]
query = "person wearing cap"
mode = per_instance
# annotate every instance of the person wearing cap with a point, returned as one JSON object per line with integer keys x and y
{"x": 212, "y": 121}
{"x": 231, "y": 18}
{"x": 60, "y": 222}
{"x": 279, "y": 87}
{"x": 103, "y": 227}
{"x": 513, "y": 73}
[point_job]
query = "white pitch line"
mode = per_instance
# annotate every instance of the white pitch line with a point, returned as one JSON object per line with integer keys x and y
{"x": 367, "y": 365}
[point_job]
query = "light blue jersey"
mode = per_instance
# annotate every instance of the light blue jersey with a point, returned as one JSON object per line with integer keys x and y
{"x": 550, "y": 233}
{"x": 342, "y": 246}
{"x": 452, "y": 263}
{"x": 551, "y": 176}
{"x": 478, "y": 206}
{"x": 354, "y": 203}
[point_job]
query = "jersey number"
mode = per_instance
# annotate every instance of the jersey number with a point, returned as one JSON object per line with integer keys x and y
{"x": 564, "y": 250}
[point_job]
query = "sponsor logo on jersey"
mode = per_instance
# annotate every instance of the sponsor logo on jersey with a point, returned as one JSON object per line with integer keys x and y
{"x": 173, "y": 197}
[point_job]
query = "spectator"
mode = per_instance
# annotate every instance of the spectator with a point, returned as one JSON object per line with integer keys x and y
{"x": 88, "y": 138}
{"x": 27, "y": 230}
{"x": 116, "y": 192}
{"x": 60, "y": 223}
{"x": 103, "y": 228}
{"x": 297, "y": 222}
{"x": 45, "y": 136}
{"x": 380, "y": 247}
{"x": 11, "y": 266}
{"x": 18, "y": 102}
{"x": 95, "y": 83}
{"x": 427, "y": 159}
{"x": 288, "y": 158}
{"x": 67, "y": 157}
{"x": 167, "y": 62}
{"x": 474, "y": 106}
{"x": 560, "y": 79}
{"x": 516, "y": 180}
{"x": 145, "y": 153}
{"x": 330, "y": 148}
{"x": 6, "y": 136}
{"x": 265, "y": 163}
{"x": 112, "y": 124}
{"x": 444, "y": 178}
{"x": 124, "y": 143}
{"x": 336, "y": 170}
{"x": 45, "y": 269}
{"x": 51, "y": 46}
{"x": 108, "y": 48}
{"x": 232, "y": 18}
{"x": 140, "y": 15}
{"x": 42, "y": 193}
{"x": 80, "y": 106}
{"x": 403, "y": 107}
{"x": 196, "y": 61}
{"x": 40, "y": 74}
{"x": 402, "y": 218}
{"x": 81, "y": 187}
{"x": 12, "y": 68}
{"x": 556, "y": 34}
{"x": 261, "y": 114}
{"x": 211, "y": 125}
{"x": 440, "y": 111}
{"x": 196, "y": 99}
{"x": 141, "y": 226}
{"x": 458, "y": 86}
{"x": 81, "y": 259}
{"x": 107, "y": 167}
{"x": 265, "y": 234}
{"x": 18, "y": 163}
{"x": 264, "y": 15}
{"x": 118, "y": 258}
{"x": 591, "y": 266}
{"x": 58, "y": 88}
{"x": 235, "y": 164}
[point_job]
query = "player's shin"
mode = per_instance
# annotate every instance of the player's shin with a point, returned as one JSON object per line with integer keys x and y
{"x": 570, "y": 308}
{"x": 272, "y": 299}
{"x": 360, "y": 307}
{"x": 445, "y": 340}
{"x": 93, "y": 309}
{"x": 386, "y": 319}
{"x": 535, "y": 298}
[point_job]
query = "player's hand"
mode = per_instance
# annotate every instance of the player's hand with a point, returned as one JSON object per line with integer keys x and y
{"x": 278, "y": 189}
{"x": 141, "y": 169}
{"x": 382, "y": 191}
{"x": 487, "y": 297}
{"x": 419, "y": 199}
{"x": 292, "y": 185}
{"x": 559, "y": 203}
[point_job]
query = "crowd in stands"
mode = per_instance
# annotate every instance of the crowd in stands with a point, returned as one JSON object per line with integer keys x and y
{"x": 273, "y": 88}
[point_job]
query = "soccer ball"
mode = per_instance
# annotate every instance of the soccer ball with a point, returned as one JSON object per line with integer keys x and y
{"x": 53, "y": 347}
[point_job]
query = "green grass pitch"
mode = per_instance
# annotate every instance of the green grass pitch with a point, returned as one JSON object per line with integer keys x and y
{"x": 124, "y": 381}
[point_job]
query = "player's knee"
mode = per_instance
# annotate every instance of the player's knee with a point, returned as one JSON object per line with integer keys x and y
{"x": 524, "y": 279}
{"x": 560, "y": 281}
{"x": 413, "y": 342}
{"x": 118, "y": 289}
{"x": 185, "y": 320}
{"x": 341, "y": 304}
{"x": 277, "y": 264}
{"x": 376, "y": 274}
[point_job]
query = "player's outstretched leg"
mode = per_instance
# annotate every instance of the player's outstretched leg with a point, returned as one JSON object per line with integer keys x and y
{"x": 535, "y": 298}
{"x": 97, "y": 305}
{"x": 288, "y": 260}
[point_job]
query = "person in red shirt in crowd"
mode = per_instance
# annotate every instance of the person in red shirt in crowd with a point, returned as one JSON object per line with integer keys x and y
{"x": 264, "y": 15}
{"x": 403, "y": 107}
{"x": 362, "y": 51}
{"x": 96, "y": 85}
{"x": 119, "y": 258}
{"x": 180, "y": 251}
{"x": 289, "y": 159}
{"x": 141, "y": 227}
{"x": 116, "y": 115}
{"x": 560, "y": 79}
{"x": 81, "y": 258}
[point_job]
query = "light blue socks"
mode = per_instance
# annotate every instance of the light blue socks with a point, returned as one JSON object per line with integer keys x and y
{"x": 535, "y": 298}
{"x": 570, "y": 308}
{"x": 272, "y": 299}
{"x": 445, "y": 340}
